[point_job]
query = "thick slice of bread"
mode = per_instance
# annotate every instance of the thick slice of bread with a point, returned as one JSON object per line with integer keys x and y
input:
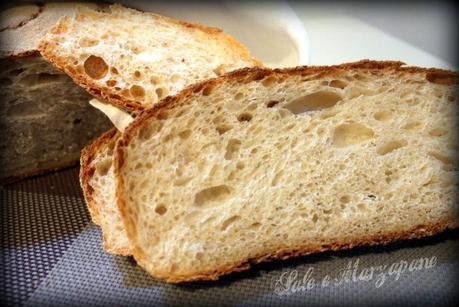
{"x": 264, "y": 164}
{"x": 40, "y": 104}
{"x": 134, "y": 59}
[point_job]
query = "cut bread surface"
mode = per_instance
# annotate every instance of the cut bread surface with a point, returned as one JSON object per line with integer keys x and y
{"x": 134, "y": 59}
{"x": 262, "y": 164}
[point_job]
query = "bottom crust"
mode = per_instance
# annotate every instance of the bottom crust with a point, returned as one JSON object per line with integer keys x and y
{"x": 285, "y": 253}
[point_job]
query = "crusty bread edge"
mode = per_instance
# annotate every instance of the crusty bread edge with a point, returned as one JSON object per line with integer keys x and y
{"x": 106, "y": 93}
{"x": 88, "y": 155}
{"x": 246, "y": 75}
{"x": 287, "y": 252}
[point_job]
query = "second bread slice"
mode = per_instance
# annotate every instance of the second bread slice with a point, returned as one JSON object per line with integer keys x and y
{"x": 134, "y": 59}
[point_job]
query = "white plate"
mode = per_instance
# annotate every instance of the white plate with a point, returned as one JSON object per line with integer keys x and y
{"x": 272, "y": 31}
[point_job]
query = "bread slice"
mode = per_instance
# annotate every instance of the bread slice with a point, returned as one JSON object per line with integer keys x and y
{"x": 98, "y": 184}
{"x": 133, "y": 59}
{"x": 266, "y": 164}
{"x": 40, "y": 104}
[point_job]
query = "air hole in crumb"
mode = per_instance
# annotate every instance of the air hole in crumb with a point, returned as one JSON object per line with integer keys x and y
{"x": 345, "y": 199}
{"x": 103, "y": 167}
{"x": 232, "y": 149}
{"x": 221, "y": 129}
{"x": 277, "y": 178}
{"x": 212, "y": 197}
{"x": 231, "y": 175}
{"x": 238, "y": 96}
{"x": 240, "y": 165}
{"x": 312, "y": 102}
{"x": 360, "y": 77}
{"x": 137, "y": 74}
{"x": 114, "y": 71}
{"x": 320, "y": 131}
{"x": 251, "y": 107}
{"x": 161, "y": 209}
{"x": 412, "y": 126}
{"x": 137, "y": 91}
{"x": 390, "y": 147}
{"x": 185, "y": 134}
{"x": 382, "y": 115}
{"x": 111, "y": 83}
{"x": 229, "y": 221}
{"x": 315, "y": 218}
{"x": 272, "y": 103}
{"x": 181, "y": 181}
{"x": 95, "y": 67}
{"x": 338, "y": 84}
{"x": 244, "y": 117}
{"x": 350, "y": 134}
{"x": 161, "y": 92}
{"x": 255, "y": 225}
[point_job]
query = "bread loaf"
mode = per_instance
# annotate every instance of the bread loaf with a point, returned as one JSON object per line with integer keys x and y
{"x": 266, "y": 164}
{"x": 45, "y": 118}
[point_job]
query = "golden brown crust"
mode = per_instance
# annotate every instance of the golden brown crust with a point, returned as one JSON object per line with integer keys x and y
{"x": 249, "y": 74}
{"x": 88, "y": 154}
{"x": 29, "y": 53}
{"x": 246, "y": 75}
{"x": 87, "y": 171}
{"x": 108, "y": 94}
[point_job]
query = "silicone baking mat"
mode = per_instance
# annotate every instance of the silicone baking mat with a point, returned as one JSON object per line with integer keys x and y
{"x": 51, "y": 254}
